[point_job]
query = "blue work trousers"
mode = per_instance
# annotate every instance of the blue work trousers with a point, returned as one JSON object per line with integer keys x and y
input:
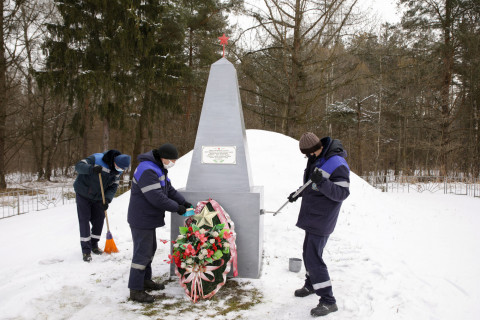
{"x": 317, "y": 277}
{"x": 144, "y": 247}
{"x": 89, "y": 212}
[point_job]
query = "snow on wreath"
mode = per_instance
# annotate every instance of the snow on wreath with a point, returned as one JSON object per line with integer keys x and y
{"x": 204, "y": 251}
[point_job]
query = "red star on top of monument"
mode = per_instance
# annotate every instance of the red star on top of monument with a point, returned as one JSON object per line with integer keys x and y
{"x": 223, "y": 41}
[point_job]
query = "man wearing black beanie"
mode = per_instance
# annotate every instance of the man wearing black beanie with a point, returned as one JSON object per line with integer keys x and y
{"x": 152, "y": 194}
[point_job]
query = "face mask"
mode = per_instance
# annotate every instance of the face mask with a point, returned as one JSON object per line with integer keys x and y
{"x": 169, "y": 164}
{"x": 118, "y": 168}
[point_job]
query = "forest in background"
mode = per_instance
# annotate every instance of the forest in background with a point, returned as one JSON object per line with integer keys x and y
{"x": 79, "y": 77}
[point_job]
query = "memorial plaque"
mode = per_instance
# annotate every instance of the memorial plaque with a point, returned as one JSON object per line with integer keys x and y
{"x": 219, "y": 155}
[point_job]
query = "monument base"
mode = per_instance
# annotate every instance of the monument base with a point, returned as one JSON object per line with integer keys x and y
{"x": 244, "y": 209}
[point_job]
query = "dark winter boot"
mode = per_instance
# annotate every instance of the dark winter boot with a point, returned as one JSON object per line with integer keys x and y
{"x": 323, "y": 309}
{"x": 97, "y": 250}
{"x": 140, "y": 296}
{"x": 303, "y": 292}
{"x": 152, "y": 285}
{"x": 87, "y": 257}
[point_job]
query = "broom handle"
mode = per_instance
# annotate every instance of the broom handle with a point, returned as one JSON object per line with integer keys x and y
{"x": 103, "y": 198}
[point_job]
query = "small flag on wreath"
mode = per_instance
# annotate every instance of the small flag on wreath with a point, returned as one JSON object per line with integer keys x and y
{"x": 205, "y": 250}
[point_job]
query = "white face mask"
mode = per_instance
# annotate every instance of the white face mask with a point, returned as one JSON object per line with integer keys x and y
{"x": 169, "y": 164}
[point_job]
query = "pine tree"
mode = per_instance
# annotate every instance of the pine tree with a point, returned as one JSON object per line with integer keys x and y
{"x": 115, "y": 58}
{"x": 153, "y": 37}
{"x": 77, "y": 63}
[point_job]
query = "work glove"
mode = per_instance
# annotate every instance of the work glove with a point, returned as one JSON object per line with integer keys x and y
{"x": 181, "y": 210}
{"x": 97, "y": 169}
{"x": 104, "y": 206}
{"x": 291, "y": 198}
{"x": 317, "y": 177}
{"x": 187, "y": 204}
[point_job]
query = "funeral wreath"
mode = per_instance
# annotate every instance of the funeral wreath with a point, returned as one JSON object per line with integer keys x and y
{"x": 204, "y": 250}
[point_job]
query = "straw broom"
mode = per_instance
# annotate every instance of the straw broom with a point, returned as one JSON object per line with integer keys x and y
{"x": 109, "y": 244}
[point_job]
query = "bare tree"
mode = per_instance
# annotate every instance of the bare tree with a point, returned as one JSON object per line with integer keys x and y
{"x": 300, "y": 41}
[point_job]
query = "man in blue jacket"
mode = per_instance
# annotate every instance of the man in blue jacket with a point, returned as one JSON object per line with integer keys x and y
{"x": 152, "y": 194}
{"x": 319, "y": 212}
{"x": 90, "y": 207}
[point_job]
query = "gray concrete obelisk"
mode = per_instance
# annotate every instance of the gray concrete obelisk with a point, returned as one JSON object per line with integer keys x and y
{"x": 220, "y": 167}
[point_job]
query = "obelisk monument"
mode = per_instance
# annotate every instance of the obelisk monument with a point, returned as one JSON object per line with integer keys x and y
{"x": 220, "y": 167}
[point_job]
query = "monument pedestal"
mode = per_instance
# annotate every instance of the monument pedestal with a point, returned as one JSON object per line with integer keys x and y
{"x": 243, "y": 208}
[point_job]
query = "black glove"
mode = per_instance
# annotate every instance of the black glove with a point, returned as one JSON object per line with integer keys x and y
{"x": 187, "y": 204}
{"x": 317, "y": 177}
{"x": 181, "y": 210}
{"x": 105, "y": 206}
{"x": 291, "y": 198}
{"x": 97, "y": 169}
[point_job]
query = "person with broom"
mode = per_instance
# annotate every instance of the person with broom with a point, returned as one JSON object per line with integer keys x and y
{"x": 89, "y": 188}
{"x": 152, "y": 194}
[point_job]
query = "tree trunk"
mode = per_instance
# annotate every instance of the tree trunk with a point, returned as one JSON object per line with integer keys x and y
{"x": 448, "y": 53}
{"x": 139, "y": 138}
{"x": 359, "y": 140}
{"x": 86, "y": 124}
{"x": 293, "y": 87}
{"x": 38, "y": 114}
{"x": 106, "y": 134}
{"x": 3, "y": 101}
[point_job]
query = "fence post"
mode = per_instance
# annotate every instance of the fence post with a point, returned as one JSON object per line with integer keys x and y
{"x": 18, "y": 202}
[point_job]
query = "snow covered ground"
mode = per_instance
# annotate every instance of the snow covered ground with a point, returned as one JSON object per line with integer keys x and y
{"x": 392, "y": 256}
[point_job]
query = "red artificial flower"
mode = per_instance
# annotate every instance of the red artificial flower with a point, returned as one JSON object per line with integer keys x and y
{"x": 227, "y": 235}
{"x": 190, "y": 250}
{"x": 202, "y": 238}
{"x": 210, "y": 253}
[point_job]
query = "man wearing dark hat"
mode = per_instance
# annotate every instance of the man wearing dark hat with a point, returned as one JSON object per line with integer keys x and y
{"x": 319, "y": 212}
{"x": 152, "y": 194}
{"x": 90, "y": 207}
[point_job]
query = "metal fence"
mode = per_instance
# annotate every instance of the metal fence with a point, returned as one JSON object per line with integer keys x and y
{"x": 20, "y": 201}
{"x": 433, "y": 184}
